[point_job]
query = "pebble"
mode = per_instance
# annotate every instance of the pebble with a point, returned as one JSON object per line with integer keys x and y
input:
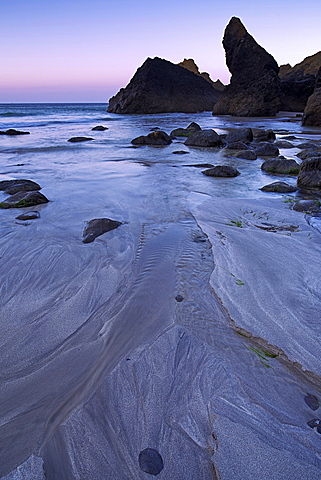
{"x": 311, "y": 401}
{"x": 150, "y": 461}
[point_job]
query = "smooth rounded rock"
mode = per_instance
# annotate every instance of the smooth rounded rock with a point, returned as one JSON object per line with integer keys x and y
{"x": 280, "y": 187}
{"x": 312, "y": 401}
{"x": 204, "y": 138}
{"x": 150, "y": 461}
{"x": 281, "y": 165}
{"x": 28, "y": 216}
{"x": 221, "y": 171}
{"x": 246, "y": 154}
{"x": 79, "y": 139}
{"x": 97, "y": 227}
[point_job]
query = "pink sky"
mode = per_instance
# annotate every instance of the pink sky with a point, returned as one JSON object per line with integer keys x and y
{"x": 79, "y": 51}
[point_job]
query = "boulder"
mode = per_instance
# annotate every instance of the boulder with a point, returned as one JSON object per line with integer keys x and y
{"x": 24, "y": 199}
{"x": 283, "y": 144}
{"x": 186, "y": 132}
{"x": 312, "y": 111}
{"x": 266, "y": 149}
{"x": 204, "y": 138}
{"x": 12, "y": 131}
{"x": 262, "y": 135}
{"x": 307, "y": 146}
{"x": 153, "y": 138}
{"x": 221, "y": 171}
{"x": 159, "y": 86}
{"x": 240, "y": 135}
{"x": 236, "y": 146}
{"x": 307, "y": 206}
{"x": 309, "y": 153}
{"x": 280, "y": 187}
{"x": 281, "y": 165}
{"x": 255, "y": 86}
{"x": 97, "y": 227}
{"x": 246, "y": 154}
{"x": 20, "y": 184}
{"x": 100, "y": 128}
{"x": 310, "y": 173}
{"x": 28, "y": 216}
{"x": 79, "y": 139}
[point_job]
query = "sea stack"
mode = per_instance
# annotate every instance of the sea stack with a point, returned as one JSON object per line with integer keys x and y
{"x": 255, "y": 86}
{"x": 312, "y": 112}
{"x": 160, "y": 86}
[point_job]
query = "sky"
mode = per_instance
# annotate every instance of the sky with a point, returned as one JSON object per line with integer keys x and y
{"x": 81, "y": 51}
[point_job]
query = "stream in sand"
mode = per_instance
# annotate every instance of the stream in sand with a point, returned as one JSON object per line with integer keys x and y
{"x": 119, "y": 345}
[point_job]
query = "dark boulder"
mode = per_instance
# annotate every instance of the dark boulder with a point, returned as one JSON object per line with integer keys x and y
{"x": 255, "y": 86}
{"x": 100, "y": 128}
{"x": 153, "y": 138}
{"x": 12, "y": 131}
{"x": 308, "y": 154}
{"x": 28, "y": 216}
{"x": 159, "y": 86}
{"x": 281, "y": 165}
{"x": 312, "y": 111}
{"x": 204, "y": 138}
{"x": 186, "y": 132}
{"x": 79, "y": 139}
{"x": 262, "y": 135}
{"x": 20, "y": 183}
{"x": 310, "y": 173}
{"x": 266, "y": 149}
{"x": 279, "y": 187}
{"x": 240, "y": 135}
{"x": 180, "y": 152}
{"x": 246, "y": 154}
{"x": 221, "y": 171}
{"x": 307, "y": 206}
{"x": 307, "y": 146}
{"x": 24, "y": 199}
{"x": 97, "y": 227}
{"x": 283, "y": 144}
{"x": 236, "y": 146}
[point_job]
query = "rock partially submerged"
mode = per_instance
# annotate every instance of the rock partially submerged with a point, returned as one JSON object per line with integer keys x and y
{"x": 310, "y": 173}
{"x": 160, "y": 86}
{"x": 100, "y": 128}
{"x": 279, "y": 187}
{"x": 153, "y": 138}
{"x": 246, "y": 154}
{"x": 28, "y": 216}
{"x": 266, "y": 149}
{"x": 97, "y": 227}
{"x": 255, "y": 87}
{"x": 79, "y": 139}
{"x": 281, "y": 165}
{"x": 221, "y": 171}
{"x": 24, "y": 199}
{"x": 12, "y": 131}
{"x": 18, "y": 185}
{"x": 186, "y": 132}
{"x": 244, "y": 135}
{"x": 204, "y": 138}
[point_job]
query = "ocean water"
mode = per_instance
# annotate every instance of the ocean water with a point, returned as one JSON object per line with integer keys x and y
{"x": 75, "y": 316}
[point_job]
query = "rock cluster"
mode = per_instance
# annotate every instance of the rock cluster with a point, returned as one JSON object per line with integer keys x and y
{"x": 23, "y": 193}
{"x": 160, "y": 86}
{"x": 255, "y": 86}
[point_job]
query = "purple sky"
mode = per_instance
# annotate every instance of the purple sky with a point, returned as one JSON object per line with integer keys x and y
{"x": 80, "y": 51}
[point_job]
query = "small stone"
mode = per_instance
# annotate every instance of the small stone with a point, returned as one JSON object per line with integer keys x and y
{"x": 100, "y": 128}
{"x": 179, "y": 298}
{"x": 97, "y": 227}
{"x": 150, "y": 461}
{"x": 79, "y": 139}
{"x": 28, "y": 216}
{"x": 311, "y": 401}
{"x": 12, "y": 131}
{"x": 180, "y": 152}
{"x": 314, "y": 423}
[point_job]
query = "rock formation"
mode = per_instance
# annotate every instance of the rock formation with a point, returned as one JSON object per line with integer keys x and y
{"x": 190, "y": 65}
{"x": 159, "y": 86}
{"x": 255, "y": 86}
{"x": 312, "y": 111}
{"x": 297, "y": 83}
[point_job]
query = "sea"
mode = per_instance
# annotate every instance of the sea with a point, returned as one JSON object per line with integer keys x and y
{"x": 88, "y": 343}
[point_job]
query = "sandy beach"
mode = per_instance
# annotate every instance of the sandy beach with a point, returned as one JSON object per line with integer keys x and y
{"x": 192, "y": 329}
